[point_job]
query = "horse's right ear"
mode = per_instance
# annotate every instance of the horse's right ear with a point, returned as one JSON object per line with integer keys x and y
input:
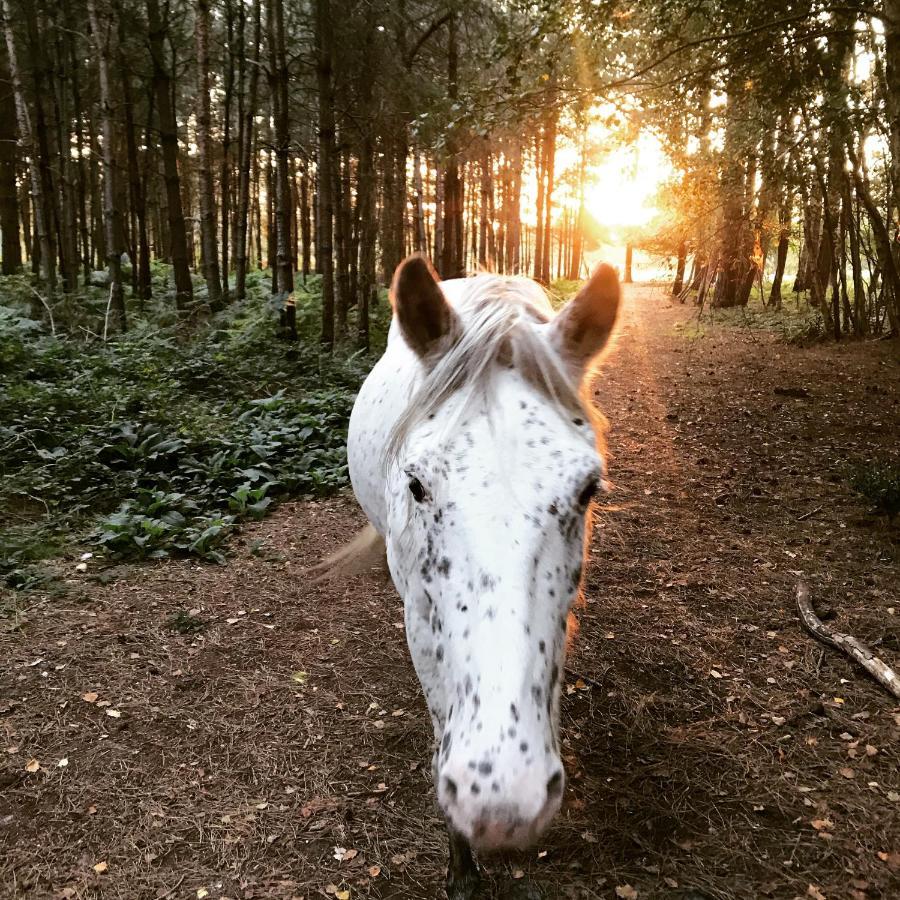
{"x": 426, "y": 319}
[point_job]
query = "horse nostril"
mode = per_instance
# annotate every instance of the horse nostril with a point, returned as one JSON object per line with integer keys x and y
{"x": 555, "y": 786}
{"x": 450, "y": 789}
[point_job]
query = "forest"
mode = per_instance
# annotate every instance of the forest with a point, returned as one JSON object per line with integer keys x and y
{"x": 203, "y": 204}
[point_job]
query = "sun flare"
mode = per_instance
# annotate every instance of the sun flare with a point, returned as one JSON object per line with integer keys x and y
{"x": 623, "y": 186}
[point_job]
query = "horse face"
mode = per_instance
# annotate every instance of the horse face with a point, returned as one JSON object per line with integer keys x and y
{"x": 485, "y": 530}
{"x": 485, "y": 541}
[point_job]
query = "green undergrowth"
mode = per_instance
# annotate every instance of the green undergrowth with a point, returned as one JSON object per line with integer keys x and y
{"x": 162, "y": 440}
{"x": 795, "y": 321}
{"x": 879, "y": 483}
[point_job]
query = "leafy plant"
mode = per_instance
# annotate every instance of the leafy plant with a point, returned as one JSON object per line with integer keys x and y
{"x": 879, "y": 483}
{"x": 162, "y": 440}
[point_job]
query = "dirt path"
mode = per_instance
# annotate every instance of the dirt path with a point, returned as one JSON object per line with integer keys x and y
{"x": 225, "y": 729}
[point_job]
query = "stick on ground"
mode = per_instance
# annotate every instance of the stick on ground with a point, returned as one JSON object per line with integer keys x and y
{"x": 846, "y": 643}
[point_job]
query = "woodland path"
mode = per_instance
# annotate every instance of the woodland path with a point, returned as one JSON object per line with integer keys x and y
{"x": 246, "y": 724}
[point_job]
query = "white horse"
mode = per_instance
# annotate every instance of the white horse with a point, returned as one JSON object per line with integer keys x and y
{"x": 473, "y": 452}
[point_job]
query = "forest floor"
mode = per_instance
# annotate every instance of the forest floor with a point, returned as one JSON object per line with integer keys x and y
{"x": 183, "y": 730}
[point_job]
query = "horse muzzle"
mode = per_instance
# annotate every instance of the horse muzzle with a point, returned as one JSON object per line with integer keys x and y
{"x": 493, "y": 815}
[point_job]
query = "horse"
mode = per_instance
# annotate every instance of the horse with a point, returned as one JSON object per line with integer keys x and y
{"x": 475, "y": 451}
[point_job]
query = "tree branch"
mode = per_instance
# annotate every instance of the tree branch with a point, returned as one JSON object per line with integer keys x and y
{"x": 846, "y": 643}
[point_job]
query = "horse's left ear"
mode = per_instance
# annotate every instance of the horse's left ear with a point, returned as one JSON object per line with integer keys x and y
{"x": 426, "y": 318}
{"x": 583, "y": 327}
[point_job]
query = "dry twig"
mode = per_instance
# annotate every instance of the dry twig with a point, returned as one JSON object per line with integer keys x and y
{"x": 846, "y": 643}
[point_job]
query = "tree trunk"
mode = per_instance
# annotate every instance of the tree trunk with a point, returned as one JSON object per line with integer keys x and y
{"x": 550, "y": 167}
{"x": 67, "y": 224}
{"x": 246, "y": 152}
{"x": 539, "y": 145}
{"x": 278, "y": 80}
{"x": 11, "y": 248}
{"x": 225, "y": 179}
{"x": 678, "y": 284}
{"x": 341, "y": 240}
{"x": 208, "y": 231}
{"x": 452, "y": 251}
{"x": 324, "y": 242}
{"x": 305, "y": 228}
{"x": 41, "y": 243}
{"x": 168, "y": 136}
{"x": 102, "y": 34}
{"x": 419, "y": 215}
{"x": 136, "y": 187}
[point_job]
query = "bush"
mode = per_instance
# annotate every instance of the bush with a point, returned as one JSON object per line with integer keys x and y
{"x": 879, "y": 483}
{"x": 161, "y": 440}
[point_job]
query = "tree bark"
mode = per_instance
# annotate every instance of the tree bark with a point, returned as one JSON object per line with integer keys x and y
{"x": 225, "y": 179}
{"x": 278, "y": 80}
{"x": 168, "y": 135}
{"x": 208, "y": 232}
{"x": 11, "y": 248}
{"x": 136, "y": 186}
{"x": 246, "y": 151}
{"x": 452, "y": 250}
{"x": 102, "y": 33}
{"x": 324, "y": 242}
{"x": 41, "y": 243}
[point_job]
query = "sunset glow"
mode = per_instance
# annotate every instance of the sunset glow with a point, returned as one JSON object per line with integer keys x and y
{"x": 622, "y": 188}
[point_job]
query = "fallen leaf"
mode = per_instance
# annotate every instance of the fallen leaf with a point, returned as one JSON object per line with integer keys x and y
{"x": 374, "y": 871}
{"x": 63, "y": 763}
{"x": 847, "y": 772}
{"x": 100, "y": 867}
{"x": 626, "y": 892}
{"x": 90, "y": 697}
{"x": 201, "y": 893}
{"x": 32, "y": 765}
{"x": 114, "y": 713}
{"x": 518, "y": 873}
{"x": 822, "y": 824}
{"x": 715, "y": 674}
{"x": 300, "y": 677}
{"x": 815, "y": 893}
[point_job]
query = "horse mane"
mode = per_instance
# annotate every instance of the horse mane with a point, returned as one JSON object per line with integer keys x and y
{"x": 499, "y": 316}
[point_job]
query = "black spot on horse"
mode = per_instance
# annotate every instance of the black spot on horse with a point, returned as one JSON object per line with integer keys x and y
{"x": 523, "y": 747}
{"x": 444, "y": 566}
{"x": 515, "y": 711}
{"x": 485, "y": 768}
{"x": 542, "y": 647}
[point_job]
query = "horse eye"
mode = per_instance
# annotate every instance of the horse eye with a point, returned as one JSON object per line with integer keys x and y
{"x": 588, "y": 492}
{"x": 416, "y": 489}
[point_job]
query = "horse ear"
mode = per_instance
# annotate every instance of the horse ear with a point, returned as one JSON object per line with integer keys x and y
{"x": 426, "y": 318}
{"x": 583, "y": 327}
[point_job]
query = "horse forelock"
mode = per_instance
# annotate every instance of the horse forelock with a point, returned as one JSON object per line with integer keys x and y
{"x": 499, "y": 315}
